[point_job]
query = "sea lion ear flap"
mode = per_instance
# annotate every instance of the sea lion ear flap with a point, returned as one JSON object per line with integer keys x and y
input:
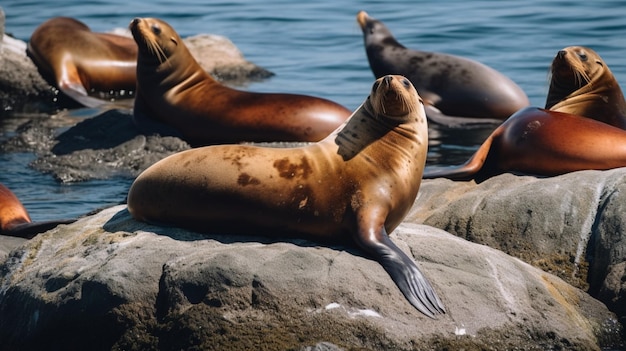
{"x": 600, "y": 63}
{"x": 174, "y": 41}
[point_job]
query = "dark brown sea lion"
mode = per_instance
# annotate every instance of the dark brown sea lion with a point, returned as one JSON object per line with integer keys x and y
{"x": 78, "y": 61}
{"x": 542, "y": 142}
{"x": 354, "y": 186}
{"x": 174, "y": 91}
{"x": 582, "y": 84}
{"x": 456, "y": 90}
{"x": 15, "y": 220}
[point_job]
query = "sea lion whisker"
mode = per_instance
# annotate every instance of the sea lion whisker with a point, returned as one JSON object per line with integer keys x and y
{"x": 580, "y": 78}
{"x": 407, "y": 105}
{"x": 157, "y": 51}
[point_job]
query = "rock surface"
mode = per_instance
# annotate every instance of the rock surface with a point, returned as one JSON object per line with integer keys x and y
{"x": 101, "y": 147}
{"x": 572, "y": 225}
{"x": 110, "y": 281}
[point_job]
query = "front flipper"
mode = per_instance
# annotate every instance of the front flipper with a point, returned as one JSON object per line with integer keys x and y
{"x": 402, "y": 270}
{"x": 69, "y": 82}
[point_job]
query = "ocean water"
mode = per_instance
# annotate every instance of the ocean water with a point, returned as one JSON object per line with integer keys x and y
{"x": 316, "y": 48}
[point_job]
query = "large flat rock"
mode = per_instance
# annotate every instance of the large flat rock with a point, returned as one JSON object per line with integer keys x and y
{"x": 111, "y": 281}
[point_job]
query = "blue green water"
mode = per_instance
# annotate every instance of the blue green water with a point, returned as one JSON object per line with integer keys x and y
{"x": 316, "y": 48}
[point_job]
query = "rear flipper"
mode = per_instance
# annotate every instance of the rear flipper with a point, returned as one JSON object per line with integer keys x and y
{"x": 437, "y": 117}
{"x": 29, "y": 230}
{"x": 404, "y": 273}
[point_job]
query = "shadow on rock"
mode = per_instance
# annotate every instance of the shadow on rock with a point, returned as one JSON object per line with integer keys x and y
{"x": 123, "y": 221}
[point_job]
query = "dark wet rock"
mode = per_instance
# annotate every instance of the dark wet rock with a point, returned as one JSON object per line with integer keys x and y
{"x": 110, "y": 282}
{"x": 104, "y": 146}
{"x": 35, "y": 135}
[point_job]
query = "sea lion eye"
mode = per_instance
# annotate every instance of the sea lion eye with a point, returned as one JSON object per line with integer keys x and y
{"x": 406, "y": 83}
{"x": 583, "y": 56}
{"x": 156, "y": 29}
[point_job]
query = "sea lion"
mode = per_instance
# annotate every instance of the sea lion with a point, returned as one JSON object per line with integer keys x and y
{"x": 15, "y": 220}
{"x": 582, "y": 84}
{"x": 457, "y": 91}
{"x": 78, "y": 61}
{"x": 354, "y": 186}
{"x": 545, "y": 143}
{"x": 173, "y": 90}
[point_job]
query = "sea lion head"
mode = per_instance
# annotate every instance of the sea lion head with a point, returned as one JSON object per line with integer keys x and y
{"x": 375, "y": 31}
{"x": 155, "y": 38}
{"x": 573, "y": 68}
{"x": 393, "y": 105}
{"x": 394, "y": 98}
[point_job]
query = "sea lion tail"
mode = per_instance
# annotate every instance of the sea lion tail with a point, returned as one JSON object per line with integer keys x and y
{"x": 435, "y": 116}
{"x": 472, "y": 169}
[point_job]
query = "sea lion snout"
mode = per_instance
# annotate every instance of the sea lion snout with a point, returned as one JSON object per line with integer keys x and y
{"x": 561, "y": 54}
{"x": 134, "y": 23}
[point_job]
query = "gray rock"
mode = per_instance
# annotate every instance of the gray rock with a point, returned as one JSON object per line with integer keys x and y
{"x": 110, "y": 282}
{"x": 8, "y": 244}
{"x": 220, "y": 57}
{"x": 21, "y": 86}
{"x": 571, "y": 225}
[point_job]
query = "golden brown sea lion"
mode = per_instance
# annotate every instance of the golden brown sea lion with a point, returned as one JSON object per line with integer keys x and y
{"x": 78, "y": 61}
{"x": 173, "y": 90}
{"x": 355, "y": 186}
{"x": 457, "y": 91}
{"x": 582, "y": 84}
{"x": 15, "y": 220}
{"x": 545, "y": 143}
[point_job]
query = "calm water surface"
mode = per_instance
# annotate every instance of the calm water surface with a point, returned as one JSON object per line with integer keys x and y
{"x": 317, "y": 49}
